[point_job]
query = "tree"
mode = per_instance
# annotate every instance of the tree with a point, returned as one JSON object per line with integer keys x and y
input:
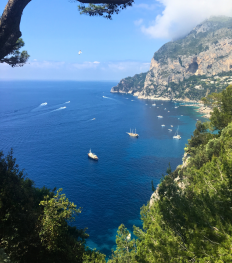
{"x": 108, "y": 9}
{"x": 16, "y": 58}
{"x": 222, "y": 108}
{"x": 11, "y": 17}
{"x": 126, "y": 247}
{"x": 34, "y": 221}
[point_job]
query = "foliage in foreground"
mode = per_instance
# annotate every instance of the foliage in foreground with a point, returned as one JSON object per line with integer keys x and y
{"x": 34, "y": 221}
{"x": 16, "y": 58}
{"x": 189, "y": 218}
{"x": 104, "y": 10}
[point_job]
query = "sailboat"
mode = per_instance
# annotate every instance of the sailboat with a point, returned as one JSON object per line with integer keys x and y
{"x": 133, "y": 134}
{"x": 177, "y": 136}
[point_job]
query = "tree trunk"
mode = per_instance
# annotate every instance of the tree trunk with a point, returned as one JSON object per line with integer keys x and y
{"x": 10, "y": 25}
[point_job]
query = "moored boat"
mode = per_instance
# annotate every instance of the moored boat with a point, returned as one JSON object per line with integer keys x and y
{"x": 133, "y": 134}
{"x": 92, "y": 156}
{"x": 177, "y": 136}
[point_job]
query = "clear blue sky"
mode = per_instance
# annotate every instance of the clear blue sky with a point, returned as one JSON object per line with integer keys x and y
{"x": 54, "y": 32}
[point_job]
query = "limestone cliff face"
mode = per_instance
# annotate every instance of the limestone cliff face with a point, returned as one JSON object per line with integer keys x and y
{"x": 205, "y": 53}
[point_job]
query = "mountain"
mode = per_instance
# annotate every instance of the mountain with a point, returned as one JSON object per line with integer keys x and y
{"x": 188, "y": 68}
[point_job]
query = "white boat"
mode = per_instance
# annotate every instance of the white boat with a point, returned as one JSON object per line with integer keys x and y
{"x": 170, "y": 129}
{"x": 171, "y": 125}
{"x": 153, "y": 104}
{"x": 160, "y": 116}
{"x": 133, "y": 134}
{"x": 177, "y": 136}
{"x": 163, "y": 125}
{"x": 176, "y": 107}
{"x": 92, "y": 156}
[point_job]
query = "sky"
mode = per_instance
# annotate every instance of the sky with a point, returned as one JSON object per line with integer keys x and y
{"x": 54, "y": 32}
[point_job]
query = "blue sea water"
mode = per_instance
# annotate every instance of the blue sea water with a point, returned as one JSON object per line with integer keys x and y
{"x": 52, "y": 125}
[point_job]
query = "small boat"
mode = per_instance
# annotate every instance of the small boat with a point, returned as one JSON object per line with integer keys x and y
{"x": 92, "y": 156}
{"x": 170, "y": 129}
{"x": 160, "y": 116}
{"x": 163, "y": 125}
{"x": 171, "y": 125}
{"x": 153, "y": 104}
{"x": 176, "y": 107}
{"x": 177, "y": 136}
{"x": 168, "y": 111}
{"x": 133, "y": 134}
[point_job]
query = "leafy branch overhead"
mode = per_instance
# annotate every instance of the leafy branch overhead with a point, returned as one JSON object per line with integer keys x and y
{"x": 105, "y": 10}
{"x": 15, "y": 57}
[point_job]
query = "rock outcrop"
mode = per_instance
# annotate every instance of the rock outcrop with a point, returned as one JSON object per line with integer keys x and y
{"x": 188, "y": 68}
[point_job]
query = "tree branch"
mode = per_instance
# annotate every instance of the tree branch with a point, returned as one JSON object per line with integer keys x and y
{"x": 11, "y": 18}
{"x": 10, "y": 26}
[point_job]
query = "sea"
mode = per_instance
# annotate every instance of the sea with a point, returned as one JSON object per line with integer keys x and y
{"x": 52, "y": 125}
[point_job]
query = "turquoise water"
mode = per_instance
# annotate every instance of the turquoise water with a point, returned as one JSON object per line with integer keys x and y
{"x": 50, "y": 126}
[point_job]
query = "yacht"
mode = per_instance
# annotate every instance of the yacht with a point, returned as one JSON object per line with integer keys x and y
{"x": 92, "y": 155}
{"x": 177, "y": 136}
{"x": 133, "y": 134}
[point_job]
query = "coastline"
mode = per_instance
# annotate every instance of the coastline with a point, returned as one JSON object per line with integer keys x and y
{"x": 201, "y": 108}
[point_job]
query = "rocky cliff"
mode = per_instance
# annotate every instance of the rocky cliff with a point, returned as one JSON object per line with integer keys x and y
{"x": 188, "y": 68}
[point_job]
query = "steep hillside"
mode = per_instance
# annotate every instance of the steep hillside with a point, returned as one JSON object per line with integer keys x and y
{"x": 188, "y": 68}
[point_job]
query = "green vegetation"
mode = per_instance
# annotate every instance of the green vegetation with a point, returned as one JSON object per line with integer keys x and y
{"x": 34, "y": 221}
{"x": 136, "y": 83}
{"x": 105, "y": 10}
{"x": 188, "y": 219}
{"x": 16, "y": 58}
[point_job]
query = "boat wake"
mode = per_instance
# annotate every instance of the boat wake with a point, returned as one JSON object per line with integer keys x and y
{"x": 61, "y": 108}
{"x": 104, "y": 97}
